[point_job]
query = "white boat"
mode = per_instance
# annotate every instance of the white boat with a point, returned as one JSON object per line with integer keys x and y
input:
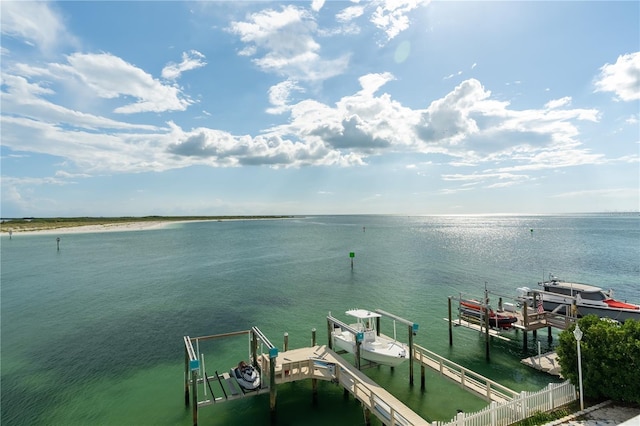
{"x": 558, "y": 295}
{"x": 246, "y": 376}
{"x": 375, "y": 348}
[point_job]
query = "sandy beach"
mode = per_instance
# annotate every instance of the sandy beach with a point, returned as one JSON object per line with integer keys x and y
{"x": 109, "y": 227}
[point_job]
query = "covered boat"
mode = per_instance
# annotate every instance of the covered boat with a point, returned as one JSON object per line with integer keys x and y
{"x": 246, "y": 376}
{"x": 373, "y": 347}
{"x": 559, "y": 296}
{"x": 473, "y": 309}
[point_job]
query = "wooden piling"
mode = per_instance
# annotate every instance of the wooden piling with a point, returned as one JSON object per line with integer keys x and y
{"x": 194, "y": 396}
{"x": 186, "y": 377}
{"x": 313, "y": 337}
{"x": 486, "y": 329}
{"x": 422, "y": 377}
{"x": 450, "y": 324}
{"x": 286, "y": 342}
{"x": 411, "y": 355}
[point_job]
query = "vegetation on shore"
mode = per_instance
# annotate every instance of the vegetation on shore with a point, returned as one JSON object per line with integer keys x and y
{"x": 40, "y": 224}
{"x": 610, "y": 358}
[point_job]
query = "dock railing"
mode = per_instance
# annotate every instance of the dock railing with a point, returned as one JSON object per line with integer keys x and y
{"x": 525, "y": 405}
{"x": 480, "y": 385}
{"x": 370, "y": 396}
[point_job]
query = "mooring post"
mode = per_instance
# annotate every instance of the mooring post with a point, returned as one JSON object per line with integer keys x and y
{"x": 411, "y": 355}
{"x": 313, "y": 337}
{"x": 367, "y": 417}
{"x": 525, "y": 320}
{"x": 194, "y": 396}
{"x": 273, "y": 354}
{"x": 486, "y": 326}
{"x": 286, "y": 341}
{"x": 549, "y": 335}
{"x": 450, "y": 325}
{"x": 422, "y": 381}
{"x": 254, "y": 349}
{"x": 186, "y": 377}
{"x": 357, "y": 354}
{"x": 329, "y": 330}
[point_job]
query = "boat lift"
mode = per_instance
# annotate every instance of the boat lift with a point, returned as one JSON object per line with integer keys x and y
{"x": 194, "y": 364}
{"x": 333, "y": 322}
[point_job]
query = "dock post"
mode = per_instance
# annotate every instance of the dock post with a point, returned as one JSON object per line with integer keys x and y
{"x": 186, "y": 377}
{"x": 329, "y": 327}
{"x": 549, "y": 335}
{"x": 450, "y": 325}
{"x": 313, "y": 337}
{"x": 367, "y": 417}
{"x": 525, "y": 320}
{"x": 254, "y": 349}
{"x": 286, "y": 341}
{"x": 378, "y": 326}
{"x": 422, "y": 381}
{"x": 194, "y": 396}
{"x": 411, "y": 355}
{"x": 273, "y": 354}
{"x": 357, "y": 354}
{"x": 486, "y": 328}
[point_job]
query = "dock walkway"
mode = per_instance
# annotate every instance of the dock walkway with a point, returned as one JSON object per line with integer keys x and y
{"x": 320, "y": 362}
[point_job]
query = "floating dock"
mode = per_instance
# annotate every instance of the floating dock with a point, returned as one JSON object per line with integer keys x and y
{"x": 547, "y": 363}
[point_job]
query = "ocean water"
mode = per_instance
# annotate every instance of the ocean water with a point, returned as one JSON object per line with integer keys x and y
{"x": 91, "y": 334}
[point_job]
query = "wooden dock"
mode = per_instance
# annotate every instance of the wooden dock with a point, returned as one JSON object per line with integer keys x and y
{"x": 467, "y": 379}
{"x": 322, "y": 363}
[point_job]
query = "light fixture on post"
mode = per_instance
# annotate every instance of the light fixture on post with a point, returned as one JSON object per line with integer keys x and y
{"x": 577, "y": 333}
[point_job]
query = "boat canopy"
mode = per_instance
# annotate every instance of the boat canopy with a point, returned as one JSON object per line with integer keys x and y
{"x": 362, "y": 314}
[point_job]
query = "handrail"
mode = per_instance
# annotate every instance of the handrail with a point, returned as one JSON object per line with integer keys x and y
{"x": 465, "y": 374}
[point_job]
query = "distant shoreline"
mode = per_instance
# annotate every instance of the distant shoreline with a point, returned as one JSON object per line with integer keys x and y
{"x": 42, "y": 226}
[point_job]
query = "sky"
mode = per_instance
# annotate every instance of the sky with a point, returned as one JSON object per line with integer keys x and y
{"x": 404, "y": 107}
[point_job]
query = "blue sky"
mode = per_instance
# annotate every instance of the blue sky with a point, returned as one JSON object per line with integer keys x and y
{"x": 324, "y": 107}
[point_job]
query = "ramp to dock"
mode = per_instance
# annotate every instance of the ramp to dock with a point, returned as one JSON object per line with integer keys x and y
{"x": 467, "y": 379}
{"x": 320, "y": 362}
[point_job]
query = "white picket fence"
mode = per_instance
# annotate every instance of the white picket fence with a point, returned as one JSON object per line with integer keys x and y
{"x": 526, "y": 405}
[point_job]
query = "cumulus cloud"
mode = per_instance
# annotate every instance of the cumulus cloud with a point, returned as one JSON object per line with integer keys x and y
{"x": 190, "y": 60}
{"x": 621, "y": 78}
{"x": 391, "y": 16}
{"x": 279, "y": 96}
{"x": 283, "y": 43}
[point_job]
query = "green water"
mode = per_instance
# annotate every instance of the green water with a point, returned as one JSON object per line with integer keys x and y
{"x": 92, "y": 334}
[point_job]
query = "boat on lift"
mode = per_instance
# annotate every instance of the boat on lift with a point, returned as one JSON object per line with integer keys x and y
{"x": 558, "y": 296}
{"x": 474, "y": 310}
{"x": 373, "y": 347}
{"x": 246, "y": 375}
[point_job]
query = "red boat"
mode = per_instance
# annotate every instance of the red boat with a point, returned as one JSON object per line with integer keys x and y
{"x": 472, "y": 309}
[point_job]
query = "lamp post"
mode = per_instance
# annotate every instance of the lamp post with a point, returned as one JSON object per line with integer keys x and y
{"x": 577, "y": 333}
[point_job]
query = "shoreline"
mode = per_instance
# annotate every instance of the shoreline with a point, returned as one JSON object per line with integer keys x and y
{"x": 123, "y": 226}
{"x": 109, "y": 227}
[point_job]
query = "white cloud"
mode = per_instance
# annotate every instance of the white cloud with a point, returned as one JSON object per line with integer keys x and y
{"x": 190, "y": 60}
{"x": 111, "y": 77}
{"x": 391, "y": 16}
{"x": 37, "y": 23}
{"x": 621, "y": 78}
{"x": 316, "y": 5}
{"x": 349, "y": 13}
{"x": 286, "y": 38}
{"x": 279, "y": 96}
{"x": 557, "y": 103}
